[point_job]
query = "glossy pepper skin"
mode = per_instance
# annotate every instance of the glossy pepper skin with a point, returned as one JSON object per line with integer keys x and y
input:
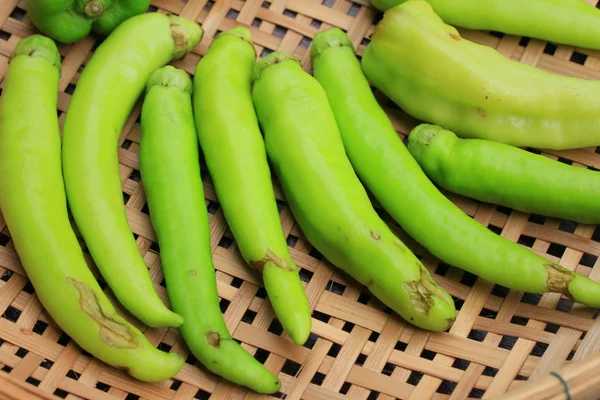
{"x": 171, "y": 177}
{"x": 387, "y": 168}
{"x": 329, "y": 202}
{"x": 68, "y": 21}
{"x": 569, "y": 22}
{"x": 235, "y": 155}
{"x": 105, "y": 94}
{"x": 432, "y": 73}
{"x": 34, "y": 205}
{"x": 501, "y": 174}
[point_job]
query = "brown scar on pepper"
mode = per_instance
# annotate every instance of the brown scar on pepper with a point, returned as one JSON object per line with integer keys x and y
{"x": 423, "y": 291}
{"x": 375, "y": 235}
{"x": 271, "y": 257}
{"x": 213, "y": 338}
{"x": 112, "y": 332}
{"x": 455, "y": 37}
{"x": 481, "y": 112}
{"x": 558, "y": 279}
{"x": 178, "y": 36}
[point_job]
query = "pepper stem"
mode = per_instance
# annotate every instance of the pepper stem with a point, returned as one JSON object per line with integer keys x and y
{"x": 93, "y": 8}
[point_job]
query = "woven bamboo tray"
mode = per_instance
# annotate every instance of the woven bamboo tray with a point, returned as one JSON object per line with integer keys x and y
{"x": 503, "y": 345}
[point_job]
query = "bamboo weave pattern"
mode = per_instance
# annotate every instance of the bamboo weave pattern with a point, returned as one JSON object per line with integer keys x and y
{"x": 358, "y": 350}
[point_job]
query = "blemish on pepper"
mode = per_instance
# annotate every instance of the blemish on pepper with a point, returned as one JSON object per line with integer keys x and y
{"x": 558, "y": 279}
{"x": 481, "y": 112}
{"x": 192, "y": 272}
{"x": 112, "y": 332}
{"x": 423, "y": 291}
{"x": 178, "y": 37}
{"x": 271, "y": 257}
{"x": 213, "y": 338}
{"x": 375, "y": 235}
{"x": 455, "y": 37}
{"x": 178, "y": 34}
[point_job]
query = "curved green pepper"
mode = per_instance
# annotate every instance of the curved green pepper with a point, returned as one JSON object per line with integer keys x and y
{"x": 105, "y": 94}
{"x": 569, "y": 22}
{"x": 71, "y": 20}
{"x": 385, "y": 165}
{"x": 432, "y": 73}
{"x": 34, "y": 206}
{"x": 235, "y": 155}
{"x": 329, "y": 202}
{"x": 171, "y": 176}
{"x": 501, "y": 174}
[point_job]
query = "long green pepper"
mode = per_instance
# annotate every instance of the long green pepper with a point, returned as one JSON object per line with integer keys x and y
{"x": 385, "y": 165}
{"x": 438, "y": 77}
{"x": 106, "y": 92}
{"x": 328, "y": 200}
{"x": 236, "y": 159}
{"x": 34, "y": 205}
{"x": 570, "y": 22}
{"x": 501, "y": 174}
{"x": 171, "y": 175}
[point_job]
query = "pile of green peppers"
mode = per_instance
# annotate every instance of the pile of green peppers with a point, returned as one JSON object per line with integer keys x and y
{"x": 326, "y": 139}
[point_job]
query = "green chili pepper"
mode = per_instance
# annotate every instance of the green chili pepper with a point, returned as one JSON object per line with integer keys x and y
{"x": 235, "y": 155}
{"x": 328, "y": 201}
{"x": 570, "y": 22}
{"x": 68, "y": 21}
{"x": 34, "y": 206}
{"x": 171, "y": 176}
{"x": 501, "y": 174}
{"x": 387, "y": 168}
{"x": 105, "y": 94}
{"x": 432, "y": 73}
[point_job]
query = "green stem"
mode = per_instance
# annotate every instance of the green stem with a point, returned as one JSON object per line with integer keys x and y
{"x": 92, "y": 8}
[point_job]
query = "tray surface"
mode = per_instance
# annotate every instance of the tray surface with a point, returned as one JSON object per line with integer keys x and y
{"x": 357, "y": 349}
